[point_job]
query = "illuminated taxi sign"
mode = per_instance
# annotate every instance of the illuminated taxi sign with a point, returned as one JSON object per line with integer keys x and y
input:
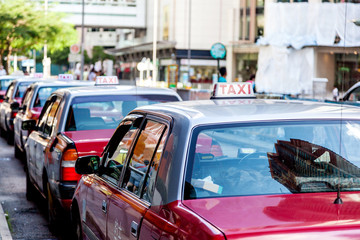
{"x": 233, "y": 90}
{"x": 66, "y": 77}
{"x": 107, "y": 80}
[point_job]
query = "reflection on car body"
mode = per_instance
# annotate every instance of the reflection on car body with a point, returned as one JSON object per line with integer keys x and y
{"x": 225, "y": 170}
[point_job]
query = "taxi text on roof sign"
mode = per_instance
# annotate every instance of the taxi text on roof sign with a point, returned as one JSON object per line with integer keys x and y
{"x": 233, "y": 90}
{"x": 66, "y": 77}
{"x": 107, "y": 80}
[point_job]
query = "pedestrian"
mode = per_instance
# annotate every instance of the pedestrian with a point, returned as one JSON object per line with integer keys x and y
{"x": 252, "y": 81}
{"x": 335, "y": 93}
{"x": 92, "y": 75}
{"x": 2, "y": 71}
{"x": 85, "y": 74}
{"x": 223, "y": 74}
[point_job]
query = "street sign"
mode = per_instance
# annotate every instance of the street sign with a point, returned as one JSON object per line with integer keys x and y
{"x": 74, "y": 49}
{"x": 218, "y": 51}
{"x": 74, "y": 57}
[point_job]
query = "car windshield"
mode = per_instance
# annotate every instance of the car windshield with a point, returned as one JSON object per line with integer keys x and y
{"x": 4, "y": 83}
{"x": 43, "y": 94}
{"x": 281, "y": 158}
{"x": 106, "y": 112}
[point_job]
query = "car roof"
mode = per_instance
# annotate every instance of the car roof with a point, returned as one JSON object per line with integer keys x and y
{"x": 118, "y": 90}
{"x": 31, "y": 79}
{"x": 10, "y": 77}
{"x": 250, "y": 110}
{"x": 62, "y": 83}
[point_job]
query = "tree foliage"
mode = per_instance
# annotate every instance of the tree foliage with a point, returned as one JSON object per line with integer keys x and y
{"x": 25, "y": 25}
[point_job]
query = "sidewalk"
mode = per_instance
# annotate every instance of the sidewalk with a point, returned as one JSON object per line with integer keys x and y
{"x": 4, "y": 228}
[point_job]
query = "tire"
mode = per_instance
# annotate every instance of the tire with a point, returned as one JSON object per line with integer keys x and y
{"x": 76, "y": 224}
{"x": 30, "y": 189}
{"x": 17, "y": 152}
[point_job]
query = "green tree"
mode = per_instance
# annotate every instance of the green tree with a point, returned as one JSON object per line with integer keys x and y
{"x": 24, "y": 26}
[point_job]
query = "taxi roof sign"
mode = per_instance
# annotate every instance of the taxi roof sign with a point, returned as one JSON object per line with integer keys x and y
{"x": 233, "y": 90}
{"x": 107, "y": 80}
{"x": 66, "y": 77}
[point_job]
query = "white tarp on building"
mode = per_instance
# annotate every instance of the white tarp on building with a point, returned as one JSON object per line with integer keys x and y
{"x": 284, "y": 65}
{"x": 285, "y": 70}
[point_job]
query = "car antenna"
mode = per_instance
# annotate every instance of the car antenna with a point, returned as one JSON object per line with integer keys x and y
{"x": 338, "y": 199}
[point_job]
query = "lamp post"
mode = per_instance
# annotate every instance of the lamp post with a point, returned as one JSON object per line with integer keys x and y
{"x": 82, "y": 40}
{"x": 46, "y": 60}
{"x": 155, "y": 41}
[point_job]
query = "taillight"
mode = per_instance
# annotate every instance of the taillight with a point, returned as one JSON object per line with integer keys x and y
{"x": 13, "y": 114}
{"x": 68, "y": 166}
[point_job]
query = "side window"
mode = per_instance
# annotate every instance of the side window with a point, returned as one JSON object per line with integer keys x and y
{"x": 50, "y": 122}
{"x": 115, "y": 160}
{"x": 44, "y": 114}
{"x": 151, "y": 177}
{"x": 355, "y": 95}
{"x": 141, "y": 158}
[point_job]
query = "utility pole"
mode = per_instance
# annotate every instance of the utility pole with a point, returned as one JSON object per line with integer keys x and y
{"x": 189, "y": 39}
{"x": 82, "y": 40}
{"x": 46, "y": 60}
{"x": 155, "y": 41}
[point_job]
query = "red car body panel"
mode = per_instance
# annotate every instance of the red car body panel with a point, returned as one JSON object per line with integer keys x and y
{"x": 90, "y": 142}
{"x": 250, "y": 216}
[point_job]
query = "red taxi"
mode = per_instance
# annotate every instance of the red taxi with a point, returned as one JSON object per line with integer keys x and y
{"x": 76, "y": 122}
{"x": 10, "y": 106}
{"x": 32, "y": 103}
{"x": 225, "y": 169}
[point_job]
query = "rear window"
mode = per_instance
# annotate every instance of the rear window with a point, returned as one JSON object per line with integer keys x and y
{"x": 4, "y": 84}
{"x": 21, "y": 89}
{"x": 281, "y": 158}
{"x": 106, "y": 112}
{"x": 42, "y": 94}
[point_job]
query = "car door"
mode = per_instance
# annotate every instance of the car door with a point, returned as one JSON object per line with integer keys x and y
{"x": 128, "y": 205}
{"x": 102, "y": 185}
{"x": 40, "y": 140}
{"x": 21, "y": 115}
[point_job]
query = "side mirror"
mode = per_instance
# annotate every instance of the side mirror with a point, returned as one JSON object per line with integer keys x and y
{"x": 28, "y": 125}
{"x": 87, "y": 164}
{"x": 14, "y": 106}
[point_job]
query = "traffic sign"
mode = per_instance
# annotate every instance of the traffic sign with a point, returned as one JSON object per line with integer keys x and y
{"x": 218, "y": 51}
{"x": 75, "y": 48}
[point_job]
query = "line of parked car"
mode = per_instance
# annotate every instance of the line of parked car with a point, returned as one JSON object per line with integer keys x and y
{"x": 233, "y": 167}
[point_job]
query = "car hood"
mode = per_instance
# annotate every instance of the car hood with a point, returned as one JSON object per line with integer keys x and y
{"x": 295, "y": 216}
{"x": 90, "y": 142}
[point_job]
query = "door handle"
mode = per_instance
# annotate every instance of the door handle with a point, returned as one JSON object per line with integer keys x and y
{"x": 104, "y": 206}
{"x": 134, "y": 228}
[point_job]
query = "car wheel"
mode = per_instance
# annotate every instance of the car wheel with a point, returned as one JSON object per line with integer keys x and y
{"x": 17, "y": 152}
{"x": 76, "y": 224}
{"x": 30, "y": 189}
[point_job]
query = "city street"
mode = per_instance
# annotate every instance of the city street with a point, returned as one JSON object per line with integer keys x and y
{"x": 27, "y": 219}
